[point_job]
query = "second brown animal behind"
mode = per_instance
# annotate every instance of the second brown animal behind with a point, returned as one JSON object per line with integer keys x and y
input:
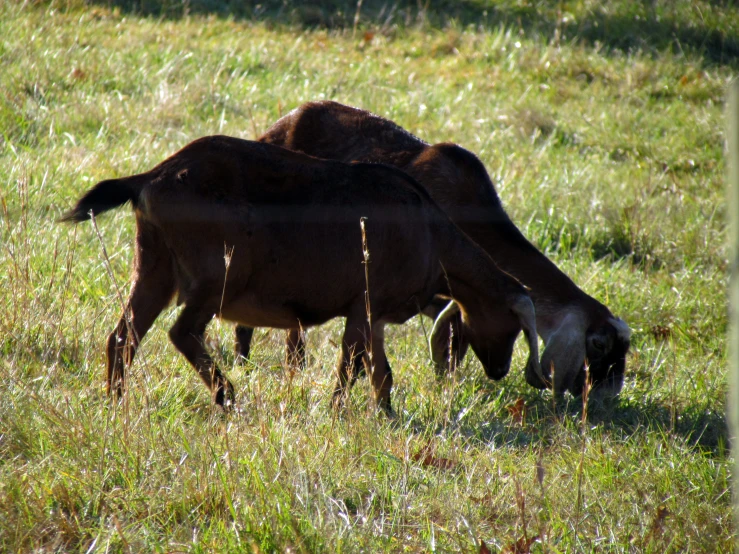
{"x": 575, "y": 327}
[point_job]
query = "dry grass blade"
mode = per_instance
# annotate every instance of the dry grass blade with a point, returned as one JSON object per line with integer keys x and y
{"x": 521, "y": 546}
{"x": 425, "y": 456}
{"x": 517, "y": 411}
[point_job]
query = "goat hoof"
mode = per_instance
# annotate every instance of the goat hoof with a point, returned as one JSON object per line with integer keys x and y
{"x": 535, "y": 381}
{"x": 443, "y": 370}
{"x": 338, "y": 402}
{"x": 241, "y": 352}
{"x": 224, "y": 395}
{"x": 384, "y": 407}
{"x": 115, "y": 387}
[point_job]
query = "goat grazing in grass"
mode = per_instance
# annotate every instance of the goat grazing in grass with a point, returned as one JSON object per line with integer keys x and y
{"x": 291, "y": 224}
{"x": 575, "y": 327}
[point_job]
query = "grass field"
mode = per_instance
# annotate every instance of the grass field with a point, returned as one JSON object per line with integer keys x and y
{"x": 602, "y": 124}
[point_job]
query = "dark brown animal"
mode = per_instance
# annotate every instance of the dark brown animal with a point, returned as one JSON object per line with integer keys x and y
{"x": 291, "y": 226}
{"x": 575, "y": 327}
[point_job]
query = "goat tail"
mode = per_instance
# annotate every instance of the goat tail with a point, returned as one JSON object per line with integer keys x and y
{"x": 107, "y": 195}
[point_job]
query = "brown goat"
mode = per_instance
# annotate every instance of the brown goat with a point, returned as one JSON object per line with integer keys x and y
{"x": 291, "y": 224}
{"x": 575, "y": 327}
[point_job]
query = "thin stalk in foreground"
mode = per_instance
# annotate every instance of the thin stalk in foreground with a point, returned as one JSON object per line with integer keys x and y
{"x": 583, "y": 442}
{"x": 367, "y": 305}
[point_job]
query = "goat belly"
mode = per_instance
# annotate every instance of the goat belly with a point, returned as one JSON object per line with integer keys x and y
{"x": 257, "y": 311}
{"x": 315, "y": 273}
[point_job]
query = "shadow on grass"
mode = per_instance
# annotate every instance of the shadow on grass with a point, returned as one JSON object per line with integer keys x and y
{"x": 699, "y": 426}
{"x": 635, "y": 26}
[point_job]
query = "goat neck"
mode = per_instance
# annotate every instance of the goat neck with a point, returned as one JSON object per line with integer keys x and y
{"x": 494, "y": 305}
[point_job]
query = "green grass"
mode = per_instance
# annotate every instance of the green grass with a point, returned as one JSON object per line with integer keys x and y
{"x": 602, "y": 123}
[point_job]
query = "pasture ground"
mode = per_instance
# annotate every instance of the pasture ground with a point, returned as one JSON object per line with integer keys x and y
{"x": 602, "y": 124}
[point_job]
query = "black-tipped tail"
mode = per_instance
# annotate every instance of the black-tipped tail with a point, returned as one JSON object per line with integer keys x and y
{"x": 105, "y": 196}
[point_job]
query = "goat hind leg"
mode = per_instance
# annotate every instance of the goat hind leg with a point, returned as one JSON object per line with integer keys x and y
{"x": 151, "y": 292}
{"x": 188, "y": 334}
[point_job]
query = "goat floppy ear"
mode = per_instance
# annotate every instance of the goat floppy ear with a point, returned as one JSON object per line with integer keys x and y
{"x": 439, "y": 338}
{"x": 524, "y": 309}
{"x": 564, "y": 353}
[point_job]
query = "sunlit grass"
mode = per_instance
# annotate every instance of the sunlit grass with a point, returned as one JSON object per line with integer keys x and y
{"x": 608, "y": 153}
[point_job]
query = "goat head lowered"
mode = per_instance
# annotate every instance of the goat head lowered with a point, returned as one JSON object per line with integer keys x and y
{"x": 575, "y": 326}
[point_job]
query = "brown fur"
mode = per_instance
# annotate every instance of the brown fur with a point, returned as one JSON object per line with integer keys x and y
{"x": 574, "y": 326}
{"x": 291, "y": 223}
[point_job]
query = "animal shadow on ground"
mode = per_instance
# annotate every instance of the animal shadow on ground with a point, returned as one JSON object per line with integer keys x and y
{"x": 699, "y": 426}
{"x": 637, "y": 27}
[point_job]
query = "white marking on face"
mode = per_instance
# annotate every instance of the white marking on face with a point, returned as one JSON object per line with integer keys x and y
{"x": 565, "y": 322}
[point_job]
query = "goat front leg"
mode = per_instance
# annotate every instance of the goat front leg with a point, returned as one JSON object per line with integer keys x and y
{"x": 353, "y": 348}
{"x": 188, "y": 334}
{"x": 379, "y": 369}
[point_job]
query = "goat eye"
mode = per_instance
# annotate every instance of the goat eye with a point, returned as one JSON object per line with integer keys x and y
{"x": 598, "y": 344}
